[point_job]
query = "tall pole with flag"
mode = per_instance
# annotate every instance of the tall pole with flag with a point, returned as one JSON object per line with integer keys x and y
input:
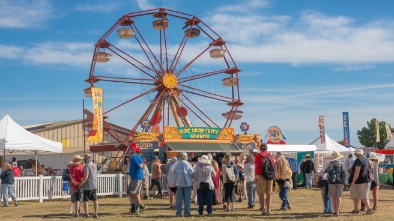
{"x": 346, "y": 134}
{"x": 377, "y": 133}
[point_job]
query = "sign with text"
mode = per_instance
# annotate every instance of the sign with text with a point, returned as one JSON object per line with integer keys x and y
{"x": 346, "y": 135}
{"x": 205, "y": 133}
{"x": 321, "y": 127}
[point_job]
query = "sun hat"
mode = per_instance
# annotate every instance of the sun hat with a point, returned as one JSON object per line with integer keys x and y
{"x": 336, "y": 155}
{"x": 359, "y": 151}
{"x": 373, "y": 156}
{"x": 77, "y": 159}
{"x": 307, "y": 155}
{"x": 204, "y": 159}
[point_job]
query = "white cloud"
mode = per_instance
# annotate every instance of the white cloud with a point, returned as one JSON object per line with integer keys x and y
{"x": 55, "y": 53}
{"x": 144, "y": 5}
{"x": 310, "y": 38}
{"x": 24, "y": 13}
{"x": 10, "y": 52}
{"x": 106, "y": 7}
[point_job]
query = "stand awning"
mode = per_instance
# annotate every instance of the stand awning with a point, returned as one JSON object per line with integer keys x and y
{"x": 203, "y": 147}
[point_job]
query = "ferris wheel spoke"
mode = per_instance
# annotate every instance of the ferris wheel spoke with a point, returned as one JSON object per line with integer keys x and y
{"x": 204, "y": 95}
{"x": 126, "y": 80}
{"x": 151, "y": 52}
{"x": 198, "y": 76}
{"x": 132, "y": 99}
{"x": 191, "y": 62}
{"x": 205, "y": 92}
{"x": 177, "y": 55}
{"x": 134, "y": 65}
{"x": 196, "y": 114}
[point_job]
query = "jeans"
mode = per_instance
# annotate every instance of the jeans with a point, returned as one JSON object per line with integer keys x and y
{"x": 294, "y": 179}
{"x": 157, "y": 182}
{"x": 326, "y": 200}
{"x": 283, "y": 196}
{"x": 183, "y": 194}
{"x": 251, "y": 192}
{"x": 204, "y": 195}
{"x": 5, "y": 190}
{"x": 309, "y": 180}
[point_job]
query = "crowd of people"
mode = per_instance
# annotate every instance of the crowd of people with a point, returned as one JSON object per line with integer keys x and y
{"x": 209, "y": 181}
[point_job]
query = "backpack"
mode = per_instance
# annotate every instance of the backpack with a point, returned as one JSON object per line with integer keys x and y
{"x": 66, "y": 175}
{"x": 230, "y": 175}
{"x": 268, "y": 168}
{"x": 332, "y": 175}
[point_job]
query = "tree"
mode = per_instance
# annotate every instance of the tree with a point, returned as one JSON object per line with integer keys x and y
{"x": 367, "y": 135}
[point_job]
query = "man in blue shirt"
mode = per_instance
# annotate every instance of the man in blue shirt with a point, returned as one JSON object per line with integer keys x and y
{"x": 136, "y": 177}
{"x": 294, "y": 169}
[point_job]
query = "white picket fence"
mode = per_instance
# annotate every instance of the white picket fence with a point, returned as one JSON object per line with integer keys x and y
{"x": 51, "y": 187}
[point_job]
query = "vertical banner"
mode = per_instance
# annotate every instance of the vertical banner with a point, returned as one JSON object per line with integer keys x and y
{"x": 96, "y": 134}
{"x": 346, "y": 135}
{"x": 377, "y": 132}
{"x": 388, "y": 131}
{"x": 321, "y": 127}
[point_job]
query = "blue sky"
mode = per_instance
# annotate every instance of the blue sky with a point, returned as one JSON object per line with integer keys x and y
{"x": 299, "y": 60}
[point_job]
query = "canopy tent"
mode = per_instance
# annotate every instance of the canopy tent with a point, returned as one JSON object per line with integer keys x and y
{"x": 330, "y": 145}
{"x": 390, "y": 144}
{"x": 290, "y": 148}
{"x": 15, "y": 138}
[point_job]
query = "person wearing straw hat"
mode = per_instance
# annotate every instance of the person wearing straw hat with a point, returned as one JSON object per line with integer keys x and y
{"x": 203, "y": 175}
{"x": 360, "y": 182}
{"x": 76, "y": 175}
{"x": 336, "y": 179}
{"x": 375, "y": 184}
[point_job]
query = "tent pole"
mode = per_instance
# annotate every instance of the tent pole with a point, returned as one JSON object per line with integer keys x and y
{"x": 83, "y": 126}
{"x": 36, "y": 163}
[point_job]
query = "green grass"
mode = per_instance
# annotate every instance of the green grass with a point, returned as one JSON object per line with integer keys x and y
{"x": 306, "y": 205}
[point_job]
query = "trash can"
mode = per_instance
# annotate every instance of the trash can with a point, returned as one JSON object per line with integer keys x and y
{"x": 383, "y": 178}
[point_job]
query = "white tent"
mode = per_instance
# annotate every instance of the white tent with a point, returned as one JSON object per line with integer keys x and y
{"x": 290, "y": 148}
{"x": 390, "y": 144}
{"x": 330, "y": 145}
{"x": 15, "y": 138}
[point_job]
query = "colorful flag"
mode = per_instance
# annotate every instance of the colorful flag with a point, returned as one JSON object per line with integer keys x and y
{"x": 321, "y": 127}
{"x": 96, "y": 134}
{"x": 388, "y": 131}
{"x": 346, "y": 135}
{"x": 377, "y": 132}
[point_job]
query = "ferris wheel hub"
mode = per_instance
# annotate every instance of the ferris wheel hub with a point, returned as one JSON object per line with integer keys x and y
{"x": 170, "y": 80}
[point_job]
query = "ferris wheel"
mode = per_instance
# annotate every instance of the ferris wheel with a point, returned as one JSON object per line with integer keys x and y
{"x": 175, "y": 71}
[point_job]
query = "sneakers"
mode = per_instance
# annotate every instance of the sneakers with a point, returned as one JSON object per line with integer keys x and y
{"x": 95, "y": 216}
{"x": 142, "y": 208}
{"x": 76, "y": 215}
{"x": 336, "y": 214}
{"x": 288, "y": 207}
{"x": 362, "y": 208}
{"x": 369, "y": 212}
{"x": 16, "y": 203}
{"x": 265, "y": 213}
{"x": 355, "y": 212}
{"x": 201, "y": 215}
{"x": 283, "y": 209}
{"x": 86, "y": 215}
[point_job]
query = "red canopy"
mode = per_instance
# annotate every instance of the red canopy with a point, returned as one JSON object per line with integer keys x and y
{"x": 385, "y": 151}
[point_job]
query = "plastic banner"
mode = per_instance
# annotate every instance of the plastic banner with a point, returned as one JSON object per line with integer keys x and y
{"x": 346, "y": 135}
{"x": 96, "y": 134}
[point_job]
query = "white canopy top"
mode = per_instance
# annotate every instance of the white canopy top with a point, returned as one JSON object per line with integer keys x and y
{"x": 330, "y": 145}
{"x": 290, "y": 148}
{"x": 390, "y": 144}
{"x": 14, "y": 138}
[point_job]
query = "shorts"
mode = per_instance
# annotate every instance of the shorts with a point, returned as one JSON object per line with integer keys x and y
{"x": 229, "y": 192}
{"x": 263, "y": 185}
{"x": 89, "y": 195}
{"x": 145, "y": 184}
{"x": 335, "y": 190}
{"x": 75, "y": 195}
{"x": 360, "y": 191}
{"x": 134, "y": 187}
